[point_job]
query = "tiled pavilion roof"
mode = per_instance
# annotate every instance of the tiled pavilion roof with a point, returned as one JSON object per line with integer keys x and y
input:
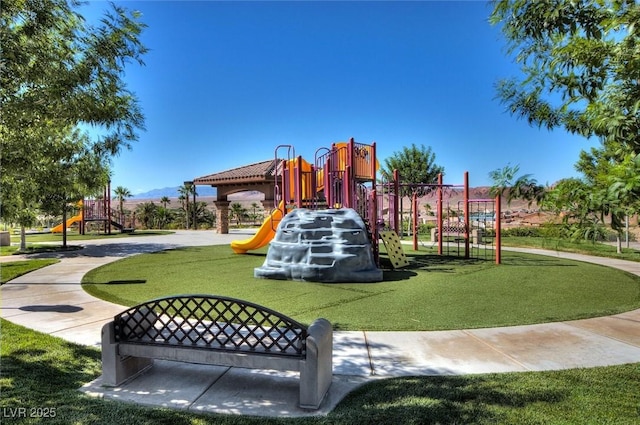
{"x": 259, "y": 172}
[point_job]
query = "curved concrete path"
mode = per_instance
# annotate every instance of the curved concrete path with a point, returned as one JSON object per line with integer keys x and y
{"x": 51, "y": 300}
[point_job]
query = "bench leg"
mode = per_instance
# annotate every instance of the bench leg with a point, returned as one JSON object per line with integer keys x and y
{"x": 116, "y": 368}
{"x": 316, "y": 372}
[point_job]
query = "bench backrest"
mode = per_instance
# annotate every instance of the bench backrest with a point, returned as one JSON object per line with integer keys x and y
{"x": 205, "y": 321}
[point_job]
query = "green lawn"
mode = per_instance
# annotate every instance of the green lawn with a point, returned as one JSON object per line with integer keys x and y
{"x": 43, "y": 241}
{"x": 40, "y": 371}
{"x": 75, "y": 236}
{"x": 599, "y": 249}
{"x": 434, "y": 293}
{"x": 566, "y": 245}
{"x": 14, "y": 269}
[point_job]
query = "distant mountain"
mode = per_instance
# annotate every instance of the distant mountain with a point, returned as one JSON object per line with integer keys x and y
{"x": 172, "y": 192}
{"x": 451, "y": 195}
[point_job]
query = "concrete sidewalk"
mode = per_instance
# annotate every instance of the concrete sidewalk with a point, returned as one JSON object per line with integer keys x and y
{"x": 52, "y": 301}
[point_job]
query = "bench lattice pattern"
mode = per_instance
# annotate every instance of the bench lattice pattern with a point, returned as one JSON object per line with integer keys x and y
{"x": 453, "y": 228}
{"x": 203, "y": 321}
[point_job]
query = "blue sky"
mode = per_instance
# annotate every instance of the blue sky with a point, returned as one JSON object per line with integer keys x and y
{"x": 227, "y": 82}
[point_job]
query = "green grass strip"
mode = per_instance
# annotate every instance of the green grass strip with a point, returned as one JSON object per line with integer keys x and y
{"x": 435, "y": 293}
{"x": 602, "y": 395}
{"x": 579, "y": 247}
{"x": 13, "y": 269}
{"x": 43, "y": 372}
{"x": 38, "y": 242}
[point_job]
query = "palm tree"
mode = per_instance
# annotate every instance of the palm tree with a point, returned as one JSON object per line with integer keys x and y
{"x": 163, "y": 216}
{"x": 186, "y": 190}
{"x": 255, "y": 206}
{"x": 237, "y": 211}
{"x": 165, "y": 201}
{"x": 121, "y": 194}
{"x": 523, "y": 187}
{"x": 148, "y": 214}
{"x": 163, "y": 213}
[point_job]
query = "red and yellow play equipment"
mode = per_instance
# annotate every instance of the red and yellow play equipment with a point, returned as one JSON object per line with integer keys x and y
{"x": 75, "y": 219}
{"x": 265, "y": 233}
{"x": 342, "y": 176}
{"x": 97, "y": 210}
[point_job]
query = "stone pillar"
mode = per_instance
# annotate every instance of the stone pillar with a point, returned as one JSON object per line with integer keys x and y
{"x": 477, "y": 236}
{"x": 116, "y": 369}
{"x": 222, "y": 216}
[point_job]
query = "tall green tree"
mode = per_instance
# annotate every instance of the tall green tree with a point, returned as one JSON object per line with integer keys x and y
{"x": 580, "y": 63}
{"x": 18, "y": 203}
{"x": 65, "y": 169}
{"x": 581, "y": 67}
{"x": 75, "y": 171}
{"x": 614, "y": 182}
{"x": 624, "y": 184}
{"x": 608, "y": 188}
{"x": 58, "y": 72}
{"x": 581, "y": 207}
{"x": 416, "y": 166}
{"x": 624, "y": 179}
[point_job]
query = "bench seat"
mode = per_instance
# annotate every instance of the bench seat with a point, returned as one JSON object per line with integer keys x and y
{"x": 218, "y": 331}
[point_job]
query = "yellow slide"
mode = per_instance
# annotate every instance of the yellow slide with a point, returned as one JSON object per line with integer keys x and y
{"x": 74, "y": 219}
{"x": 265, "y": 233}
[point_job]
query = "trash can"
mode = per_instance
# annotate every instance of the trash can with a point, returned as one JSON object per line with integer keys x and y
{"x": 5, "y": 238}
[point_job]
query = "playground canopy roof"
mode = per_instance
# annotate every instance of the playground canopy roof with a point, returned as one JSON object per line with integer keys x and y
{"x": 259, "y": 172}
{"x": 259, "y": 176}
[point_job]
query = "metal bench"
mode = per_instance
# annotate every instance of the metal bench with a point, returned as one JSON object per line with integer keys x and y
{"x": 219, "y": 331}
{"x": 449, "y": 230}
{"x": 457, "y": 232}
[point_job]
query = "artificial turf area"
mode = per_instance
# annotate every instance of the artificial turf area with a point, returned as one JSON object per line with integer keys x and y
{"x": 433, "y": 293}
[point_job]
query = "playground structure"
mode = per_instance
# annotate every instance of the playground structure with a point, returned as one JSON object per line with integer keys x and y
{"x": 100, "y": 211}
{"x": 75, "y": 219}
{"x": 344, "y": 176}
{"x": 463, "y": 230}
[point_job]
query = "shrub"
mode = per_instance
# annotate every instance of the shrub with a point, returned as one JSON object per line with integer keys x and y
{"x": 425, "y": 229}
{"x": 550, "y": 230}
{"x": 533, "y": 232}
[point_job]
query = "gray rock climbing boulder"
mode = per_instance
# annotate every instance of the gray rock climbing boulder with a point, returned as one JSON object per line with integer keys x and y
{"x": 321, "y": 246}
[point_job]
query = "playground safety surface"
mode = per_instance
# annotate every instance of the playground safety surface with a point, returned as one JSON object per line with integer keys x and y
{"x": 51, "y": 300}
